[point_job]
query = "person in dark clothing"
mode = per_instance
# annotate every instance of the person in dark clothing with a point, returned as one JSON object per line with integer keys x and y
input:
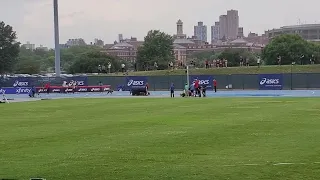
{"x": 204, "y": 88}
{"x": 32, "y": 92}
{"x": 172, "y": 90}
{"x": 215, "y": 85}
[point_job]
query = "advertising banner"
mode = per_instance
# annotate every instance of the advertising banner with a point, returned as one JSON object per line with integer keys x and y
{"x": 135, "y": 81}
{"x": 81, "y": 80}
{"x": 54, "y": 89}
{"x": 20, "y": 82}
{"x": 15, "y": 90}
{"x": 206, "y": 80}
{"x": 60, "y": 89}
{"x": 270, "y": 81}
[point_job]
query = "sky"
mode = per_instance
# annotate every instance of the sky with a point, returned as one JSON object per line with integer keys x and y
{"x": 105, "y": 19}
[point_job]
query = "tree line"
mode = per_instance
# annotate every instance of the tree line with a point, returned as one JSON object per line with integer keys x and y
{"x": 156, "y": 53}
{"x": 78, "y": 59}
{"x": 290, "y": 48}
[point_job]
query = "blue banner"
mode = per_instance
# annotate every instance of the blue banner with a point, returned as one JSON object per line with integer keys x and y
{"x": 15, "y": 90}
{"x": 206, "y": 80}
{"x": 135, "y": 81}
{"x": 81, "y": 80}
{"x": 270, "y": 81}
{"x": 20, "y": 82}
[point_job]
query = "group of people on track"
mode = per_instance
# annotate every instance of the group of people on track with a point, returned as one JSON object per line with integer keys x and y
{"x": 193, "y": 90}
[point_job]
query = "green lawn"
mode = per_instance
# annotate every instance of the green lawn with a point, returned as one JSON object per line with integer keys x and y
{"x": 214, "y": 138}
{"x": 234, "y": 70}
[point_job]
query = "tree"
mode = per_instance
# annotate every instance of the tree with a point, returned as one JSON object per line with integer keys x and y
{"x": 200, "y": 58}
{"x": 291, "y": 48}
{"x": 88, "y": 62}
{"x": 30, "y": 62}
{"x": 27, "y": 66}
{"x": 233, "y": 56}
{"x": 45, "y": 59}
{"x": 157, "y": 47}
{"x": 9, "y": 48}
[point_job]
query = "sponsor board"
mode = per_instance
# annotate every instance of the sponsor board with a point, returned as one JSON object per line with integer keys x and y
{"x": 135, "y": 81}
{"x": 56, "y": 90}
{"x": 81, "y": 80}
{"x": 82, "y": 89}
{"x": 270, "y": 81}
{"x": 27, "y": 90}
{"x": 77, "y": 89}
{"x": 20, "y": 82}
{"x": 17, "y": 90}
{"x": 95, "y": 89}
{"x": 203, "y": 80}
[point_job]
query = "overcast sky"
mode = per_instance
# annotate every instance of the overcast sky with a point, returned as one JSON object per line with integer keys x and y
{"x": 105, "y": 19}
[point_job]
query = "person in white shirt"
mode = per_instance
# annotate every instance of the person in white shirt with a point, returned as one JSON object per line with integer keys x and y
{"x": 258, "y": 61}
{"x": 122, "y": 67}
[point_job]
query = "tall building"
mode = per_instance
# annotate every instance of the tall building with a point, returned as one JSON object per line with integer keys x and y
{"x": 200, "y": 32}
{"x": 98, "y": 42}
{"x": 180, "y": 34}
{"x": 232, "y": 24}
{"x": 223, "y": 27}
{"x": 179, "y": 27}
{"x": 215, "y": 32}
{"x": 126, "y": 49}
{"x": 310, "y": 32}
{"x": 76, "y": 42}
{"x": 41, "y": 47}
{"x": 240, "y": 32}
{"x": 120, "y": 37}
{"x": 229, "y": 25}
{"x": 29, "y": 46}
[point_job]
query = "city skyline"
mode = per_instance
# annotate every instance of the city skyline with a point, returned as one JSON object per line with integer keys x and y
{"x": 105, "y": 19}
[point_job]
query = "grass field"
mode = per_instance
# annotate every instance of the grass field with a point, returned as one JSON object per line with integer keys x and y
{"x": 233, "y": 70}
{"x": 214, "y": 138}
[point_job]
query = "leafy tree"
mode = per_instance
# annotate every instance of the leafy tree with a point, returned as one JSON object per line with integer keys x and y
{"x": 88, "y": 62}
{"x": 291, "y": 48}
{"x": 199, "y": 58}
{"x": 46, "y": 59}
{"x": 157, "y": 47}
{"x": 30, "y": 62}
{"x": 27, "y": 66}
{"x": 233, "y": 56}
{"x": 9, "y": 48}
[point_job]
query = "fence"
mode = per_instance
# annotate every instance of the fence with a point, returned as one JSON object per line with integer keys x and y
{"x": 238, "y": 81}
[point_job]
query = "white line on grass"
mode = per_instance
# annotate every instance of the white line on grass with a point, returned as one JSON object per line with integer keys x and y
{"x": 251, "y": 164}
{"x": 228, "y": 165}
{"x": 276, "y": 164}
{"x": 244, "y": 107}
{"x": 283, "y": 164}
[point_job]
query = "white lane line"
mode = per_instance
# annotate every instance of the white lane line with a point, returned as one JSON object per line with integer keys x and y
{"x": 251, "y": 164}
{"x": 228, "y": 165}
{"x": 283, "y": 164}
{"x": 276, "y": 164}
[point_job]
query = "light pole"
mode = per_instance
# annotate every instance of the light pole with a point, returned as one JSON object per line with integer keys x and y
{"x": 56, "y": 37}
